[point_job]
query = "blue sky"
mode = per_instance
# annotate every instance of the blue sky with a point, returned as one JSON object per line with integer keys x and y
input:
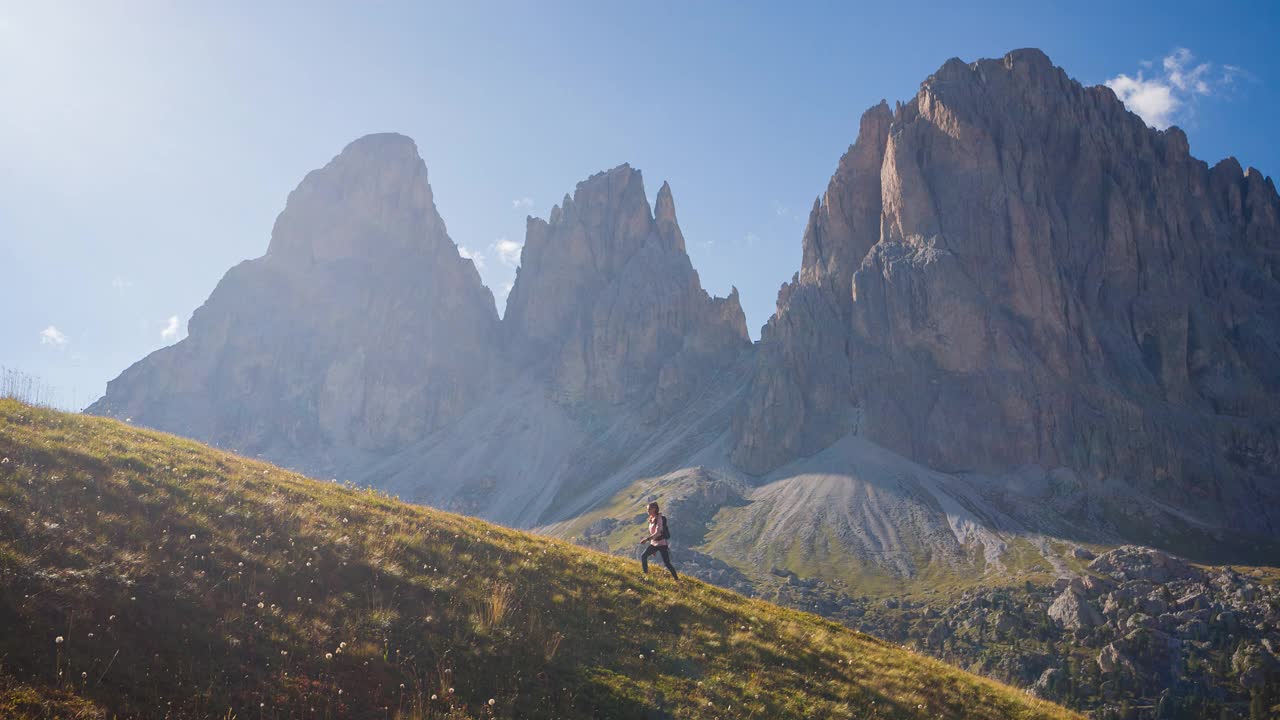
{"x": 145, "y": 148}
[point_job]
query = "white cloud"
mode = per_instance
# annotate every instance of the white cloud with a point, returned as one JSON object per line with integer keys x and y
{"x": 523, "y": 203}
{"x": 120, "y": 283}
{"x": 1170, "y": 95}
{"x": 53, "y": 336}
{"x": 473, "y": 256}
{"x": 170, "y": 331}
{"x": 1184, "y": 74}
{"x": 508, "y": 251}
{"x": 751, "y": 238}
{"x": 1152, "y": 100}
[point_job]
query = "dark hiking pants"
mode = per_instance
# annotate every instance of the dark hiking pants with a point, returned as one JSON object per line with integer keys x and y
{"x": 666, "y": 558}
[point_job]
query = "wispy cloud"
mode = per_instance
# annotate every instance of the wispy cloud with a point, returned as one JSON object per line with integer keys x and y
{"x": 523, "y": 203}
{"x": 1169, "y": 95}
{"x": 170, "y": 331}
{"x": 785, "y": 211}
{"x": 53, "y": 336}
{"x": 508, "y": 251}
{"x": 120, "y": 283}
{"x": 473, "y": 256}
{"x": 751, "y": 238}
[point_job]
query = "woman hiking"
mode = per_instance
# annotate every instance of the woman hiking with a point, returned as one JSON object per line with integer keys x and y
{"x": 657, "y": 541}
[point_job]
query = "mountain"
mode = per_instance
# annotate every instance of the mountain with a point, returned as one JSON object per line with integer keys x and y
{"x": 607, "y": 299}
{"x": 622, "y": 366}
{"x": 1026, "y": 328}
{"x": 361, "y": 329}
{"x": 177, "y": 581}
{"x": 1012, "y": 270}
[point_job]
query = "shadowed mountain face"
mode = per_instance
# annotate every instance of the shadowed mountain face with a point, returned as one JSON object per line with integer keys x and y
{"x": 607, "y": 305}
{"x": 1021, "y": 315}
{"x": 360, "y": 330}
{"x": 1011, "y": 269}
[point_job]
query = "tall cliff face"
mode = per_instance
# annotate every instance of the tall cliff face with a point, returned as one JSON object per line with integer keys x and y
{"x": 1033, "y": 276}
{"x": 361, "y": 329}
{"x": 620, "y": 363}
{"x": 606, "y": 304}
{"x": 800, "y": 399}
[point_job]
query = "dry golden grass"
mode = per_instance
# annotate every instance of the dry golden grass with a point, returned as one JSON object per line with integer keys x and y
{"x": 191, "y": 583}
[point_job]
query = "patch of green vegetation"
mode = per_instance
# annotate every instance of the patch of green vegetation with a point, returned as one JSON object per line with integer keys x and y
{"x": 829, "y": 559}
{"x": 825, "y": 558}
{"x": 144, "y": 575}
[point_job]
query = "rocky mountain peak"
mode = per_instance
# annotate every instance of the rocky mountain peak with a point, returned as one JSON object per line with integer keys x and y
{"x": 665, "y": 215}
{"x": 606, "y": 297}
{"x": 371, "y": 198}
{"x": 845, "y": 222}
{"x": 360, "y": 330}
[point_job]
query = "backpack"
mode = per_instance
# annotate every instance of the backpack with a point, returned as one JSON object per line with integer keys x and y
{"x": 666, "y": 531}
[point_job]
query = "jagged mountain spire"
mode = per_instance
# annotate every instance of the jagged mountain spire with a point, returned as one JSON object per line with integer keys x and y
{"x": 607, "y": 299}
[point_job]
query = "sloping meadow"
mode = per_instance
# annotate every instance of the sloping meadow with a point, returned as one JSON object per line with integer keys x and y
{"x": 150, "y": 576}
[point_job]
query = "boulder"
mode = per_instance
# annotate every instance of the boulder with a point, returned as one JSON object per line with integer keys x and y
{"x": 1073, "y": 611}
{"x": 1046, "y": 686}
{"x": 1252, "y": 665}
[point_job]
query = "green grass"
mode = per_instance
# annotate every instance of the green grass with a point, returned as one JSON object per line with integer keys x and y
{"x": 191, "y": 583}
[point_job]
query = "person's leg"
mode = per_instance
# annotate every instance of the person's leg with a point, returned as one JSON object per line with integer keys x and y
{"x": 666, "y": 560}
{"x": 644, "y": 558}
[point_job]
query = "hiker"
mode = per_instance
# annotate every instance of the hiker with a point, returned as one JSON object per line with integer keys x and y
{"x": 657, "y": 541}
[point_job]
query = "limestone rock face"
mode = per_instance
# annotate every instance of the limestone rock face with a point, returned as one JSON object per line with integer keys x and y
{"x": 801, "y": 398}
{"x": 361, "y": 329}
{"x": 606, "y": 303}
{"x": 1032, "y": 276}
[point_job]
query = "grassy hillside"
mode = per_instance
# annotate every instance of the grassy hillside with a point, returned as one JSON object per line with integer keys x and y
{"x": 146, "y": 575}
